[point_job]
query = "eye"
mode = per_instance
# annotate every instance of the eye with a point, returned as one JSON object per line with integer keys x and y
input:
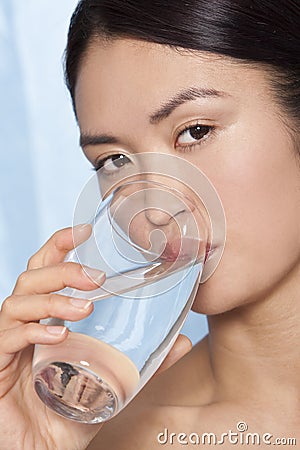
{"x": 112, "y": 163}
{"x": 191, "y": 135}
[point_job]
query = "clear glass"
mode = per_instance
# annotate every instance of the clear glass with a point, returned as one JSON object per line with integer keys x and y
{"x": 151, "y": 239}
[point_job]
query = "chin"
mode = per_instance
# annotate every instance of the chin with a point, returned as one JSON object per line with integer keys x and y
{"x": 236, "y": 282}
{"x": 211, "y": 304}
{"x": 221, "y": 294}
{"x": 239, "y": 281}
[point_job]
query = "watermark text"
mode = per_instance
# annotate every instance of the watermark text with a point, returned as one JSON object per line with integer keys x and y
{"x": 239, "y": 436}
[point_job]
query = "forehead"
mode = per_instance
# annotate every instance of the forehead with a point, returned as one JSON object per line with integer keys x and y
{"x": 125, "y": 75}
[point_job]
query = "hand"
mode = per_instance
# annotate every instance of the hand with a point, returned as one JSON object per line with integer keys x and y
{"x": 25, "y": 422}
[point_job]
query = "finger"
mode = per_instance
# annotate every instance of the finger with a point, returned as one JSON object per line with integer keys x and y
{"x": 56, "y": 248}
{"x": 21, "y": 309}
{"x": 55, "y": 278}
{"x": 16, "y": 339}
{"x": 181, "y": 347}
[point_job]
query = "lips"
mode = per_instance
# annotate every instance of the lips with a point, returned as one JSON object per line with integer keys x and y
{"x": 187, "y": 249}
{"x": 209, "y": 252}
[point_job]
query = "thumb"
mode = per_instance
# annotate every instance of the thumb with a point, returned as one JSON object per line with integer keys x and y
{"x": 181, "y": 347}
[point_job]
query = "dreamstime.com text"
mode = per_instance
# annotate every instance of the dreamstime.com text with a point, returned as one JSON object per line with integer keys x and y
{"x": 239, "y": 436}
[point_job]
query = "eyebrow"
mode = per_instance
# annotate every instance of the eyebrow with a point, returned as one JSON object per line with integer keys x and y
{"x": 182, "y": 97}
{"x": 187, "y": 95}
{"x": 97, "y": 139}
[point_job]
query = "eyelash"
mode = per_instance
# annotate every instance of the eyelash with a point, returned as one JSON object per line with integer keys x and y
{"x": 190, "y": 147}
{"x": 100, "y": 163}
{"x": 184, "y": 148}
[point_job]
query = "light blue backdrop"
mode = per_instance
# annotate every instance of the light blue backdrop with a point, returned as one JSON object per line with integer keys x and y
{"x": 41, "y": 166}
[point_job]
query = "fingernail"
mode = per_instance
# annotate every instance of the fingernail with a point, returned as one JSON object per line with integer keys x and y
{"x": 56, "y": 330}
{"x": 97, "y": 276}
{"x": 80, "y": 304}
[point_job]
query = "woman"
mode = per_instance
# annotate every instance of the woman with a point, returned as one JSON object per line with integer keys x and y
{"x": 221, "y": 81}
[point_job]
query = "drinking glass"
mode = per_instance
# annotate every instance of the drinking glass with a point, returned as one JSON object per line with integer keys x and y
{"x": 151, "y": 234}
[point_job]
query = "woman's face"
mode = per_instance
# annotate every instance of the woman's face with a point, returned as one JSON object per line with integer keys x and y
{"x": 139, "y": 97}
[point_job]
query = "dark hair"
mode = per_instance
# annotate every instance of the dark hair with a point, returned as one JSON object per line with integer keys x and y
{"x": 252, "y": 31}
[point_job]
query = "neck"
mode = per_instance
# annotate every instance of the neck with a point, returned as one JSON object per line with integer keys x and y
{"x": 254, "y": 350}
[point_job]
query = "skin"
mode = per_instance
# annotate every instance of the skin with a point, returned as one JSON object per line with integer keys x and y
{"x": 251, "y": 161}
{"x": 34, "y": 426}
{"x": 248, "y": 368}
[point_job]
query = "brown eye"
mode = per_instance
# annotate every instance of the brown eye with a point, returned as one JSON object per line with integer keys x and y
{"x": 113, "y": 163}
{"x": 193, "y": 134}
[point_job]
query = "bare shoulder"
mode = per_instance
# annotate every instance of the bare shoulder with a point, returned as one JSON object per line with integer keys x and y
{"x": 180, "y": 404}
{"x": 164, "y": 402}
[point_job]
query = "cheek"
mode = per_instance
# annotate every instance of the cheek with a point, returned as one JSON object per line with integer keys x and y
{"x": 260, "y": 191}
{"x": 262, "y": 202}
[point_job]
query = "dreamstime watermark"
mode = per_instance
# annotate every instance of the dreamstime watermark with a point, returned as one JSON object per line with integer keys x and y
{"x": 240, "y": 436}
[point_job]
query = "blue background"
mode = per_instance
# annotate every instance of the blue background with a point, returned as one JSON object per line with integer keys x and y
{"x": 42, "y": 169}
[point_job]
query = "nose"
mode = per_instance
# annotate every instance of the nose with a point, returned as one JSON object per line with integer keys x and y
{"x": 162, "y": 206}
{"x": 158, "y": 217}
